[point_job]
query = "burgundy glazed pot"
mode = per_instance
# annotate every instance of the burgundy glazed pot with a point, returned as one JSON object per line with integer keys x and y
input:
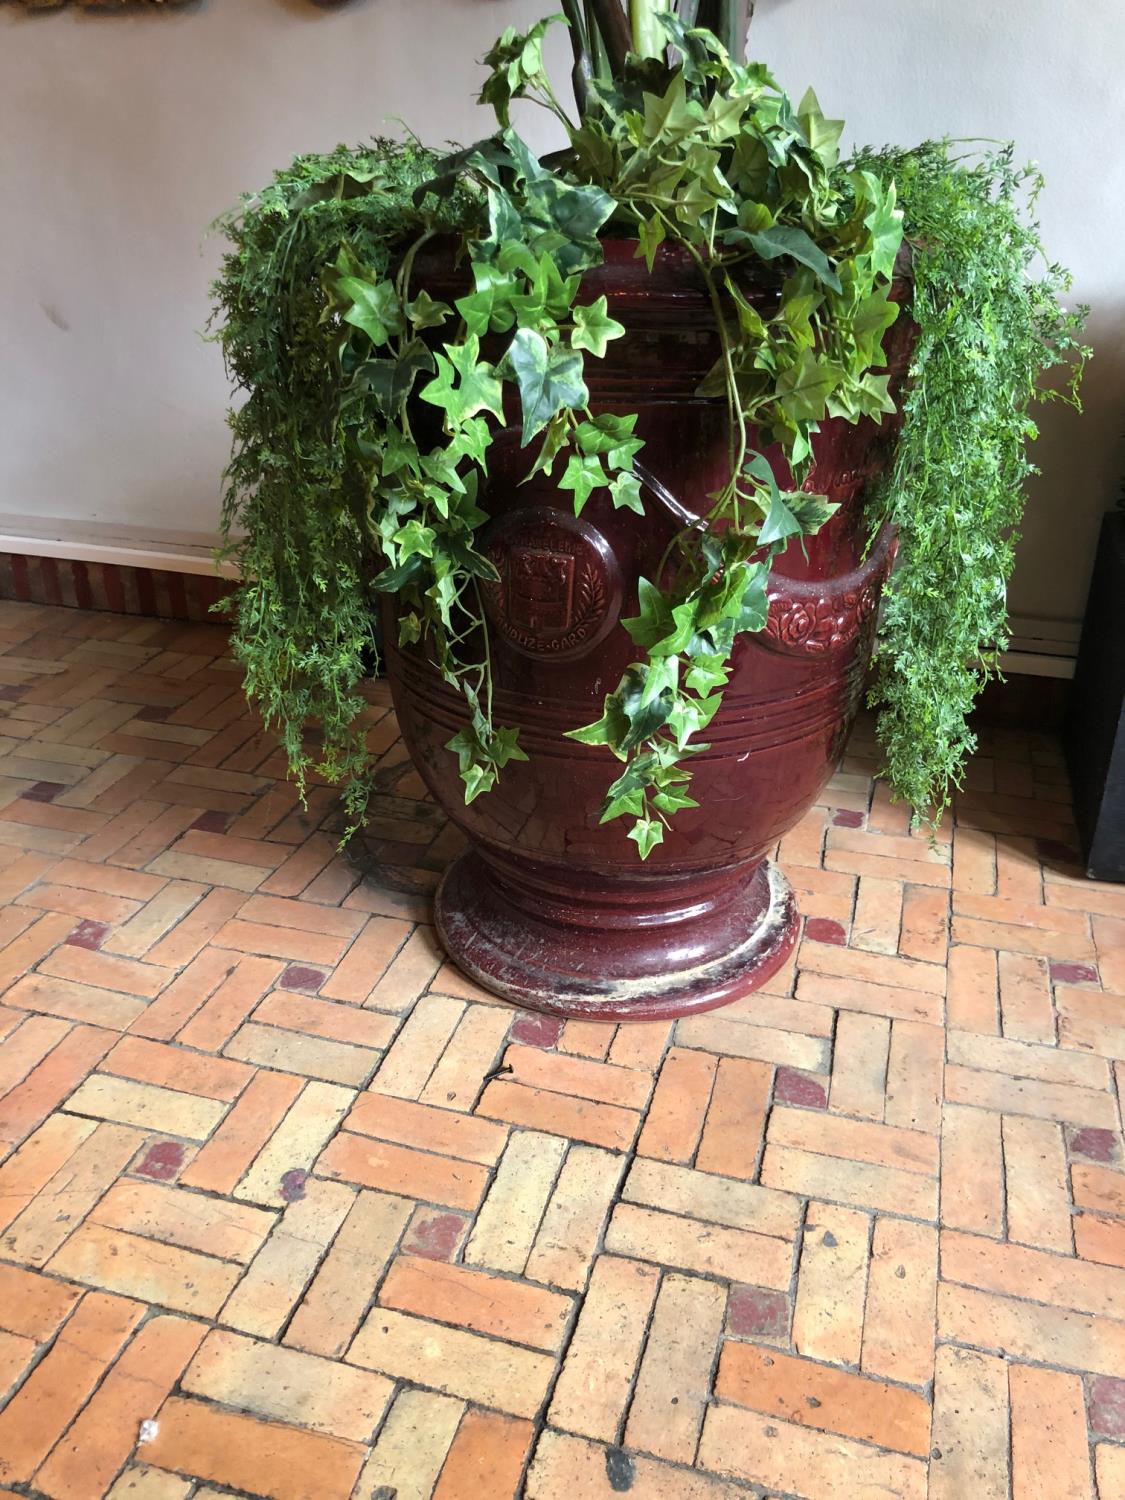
{"x": 547, "y": 907}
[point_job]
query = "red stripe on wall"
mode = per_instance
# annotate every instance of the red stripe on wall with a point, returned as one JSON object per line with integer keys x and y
{"x": 107, "y": 586}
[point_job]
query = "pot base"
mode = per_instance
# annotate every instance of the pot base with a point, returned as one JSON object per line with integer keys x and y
{"x": 555, "y": 968}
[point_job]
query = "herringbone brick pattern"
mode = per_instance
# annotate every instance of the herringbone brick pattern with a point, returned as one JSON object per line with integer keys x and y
{"x": 288, "y": 1208}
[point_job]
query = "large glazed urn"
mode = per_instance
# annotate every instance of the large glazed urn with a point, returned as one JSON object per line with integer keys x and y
{"x": 548, "y": 907}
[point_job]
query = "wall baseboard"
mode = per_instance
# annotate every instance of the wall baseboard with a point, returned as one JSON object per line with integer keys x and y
{"x": 111, "y": 542}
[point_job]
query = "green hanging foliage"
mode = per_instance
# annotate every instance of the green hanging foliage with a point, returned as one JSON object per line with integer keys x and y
{"x": 371, "y": 406}
{"x": 991, "y": 323}
{"x": 295, "y": 508}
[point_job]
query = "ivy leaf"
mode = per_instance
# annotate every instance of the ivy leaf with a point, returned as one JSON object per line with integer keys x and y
{"x": 706, "y": 672}
{"x": 780, "y": 523}
{"x": 479, "y": 388}
{"x": 874, "y": 315}
{"x": 650, "y": 236}
{"x": 554, "y": 441}
{"x": 374, "y": 307}
{"x": 593, "y": 328}
{"x": 760, "y": 470}
{"x": 646, "y": 715}
{"x": 409, "y": 629}
{"x": 443, "y": 592}
{"x": 885, "y": 224}
{"x": 750, "y": 321}
{"x": 390, "y": 381}
{"x": 549, "y": 379}
{"x": 723, "y": 116}
{"x": 788, "y": 239}
{"x": 822, "y": 135}
{"x": 489, "y": 305}
{"x": 625, "y": 492}
{"x": 804, "y": 388}
{"x": 584, "y": 474}
{"x": 672, "y": 801}
{"x": 400, "y": 452}
{"x": 754, "y": 606}
{"x": 812, "y": 510}
{"x": 470, "y": 441}
{"x": 668, "y": 116}
{"x": 611, "y": 435}
{"x": 424, "y": 312}
{"x": 516, "y": 61}
{"x": 660, "y": 629}
{"x": 749, "y": 168}
{"x": 609, "y": 730}
{"x": 646, "y": 833}
{"x": 393, "y": 580}
{"x": 616, "y": 807}
{"x": 690, "y": 715}
{"x": 503, "y": 746}
{"x": 636, "y": 777}
{"x": 414, "y": 538}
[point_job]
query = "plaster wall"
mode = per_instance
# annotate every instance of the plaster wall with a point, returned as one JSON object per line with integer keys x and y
{"x": 123, "y": 135}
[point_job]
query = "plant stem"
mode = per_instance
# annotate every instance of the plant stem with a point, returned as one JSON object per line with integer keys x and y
{"x": 599, "y": 58}
{"x": 649, "y": 37}
{"x": 733, "y": 24}
{"x": 580, "y": 46}
{"x": 614, "y": 27}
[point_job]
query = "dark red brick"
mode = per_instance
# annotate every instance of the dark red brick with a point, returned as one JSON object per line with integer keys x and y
{"x": 43, "y": 791}
{"x": 1094, "y": 1144}
{"x": 301, "y": 977}
{"x": 845, "y": 818}
{"x": 1064, "y": 973}
{"x": 212, "y": 822}
{"x": 537, "y": 1031}
{"x": 825, "y": 930}
{"x": 792, "y": 1087}
{"x": 88, "y": 934}
{"x": 436, "y": 1236}
{"x": 1107, "y": 1406}
{"x": 161, "y": 1161}
{"x": 753, "y": 1312}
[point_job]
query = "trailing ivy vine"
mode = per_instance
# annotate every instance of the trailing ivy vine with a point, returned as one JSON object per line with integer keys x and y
{"x": 371, "y": 406}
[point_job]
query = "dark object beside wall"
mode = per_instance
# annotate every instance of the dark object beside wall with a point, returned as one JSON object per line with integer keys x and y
{"x": 1095, "y": 729}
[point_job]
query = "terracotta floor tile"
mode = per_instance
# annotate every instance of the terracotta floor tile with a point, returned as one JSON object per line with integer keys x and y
{"x": 279, "y": 1178}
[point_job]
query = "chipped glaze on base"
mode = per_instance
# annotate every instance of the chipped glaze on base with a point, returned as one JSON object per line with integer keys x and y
{"x": 581, "y": 972}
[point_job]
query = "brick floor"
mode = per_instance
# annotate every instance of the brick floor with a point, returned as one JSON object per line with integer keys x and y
{"x": 270, "y": 1225}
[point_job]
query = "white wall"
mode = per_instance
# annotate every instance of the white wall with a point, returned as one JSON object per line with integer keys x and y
{"x": 122, "y": 136}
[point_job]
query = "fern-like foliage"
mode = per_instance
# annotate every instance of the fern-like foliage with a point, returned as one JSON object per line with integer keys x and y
{"x": 296, "y": 496}
{"x": 991, "y": 323}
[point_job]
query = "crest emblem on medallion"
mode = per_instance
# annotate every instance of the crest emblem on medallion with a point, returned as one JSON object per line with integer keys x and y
{"x": 559, "y": 591}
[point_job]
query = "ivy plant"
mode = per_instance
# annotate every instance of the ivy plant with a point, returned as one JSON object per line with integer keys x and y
{"x": 362, "y": 449}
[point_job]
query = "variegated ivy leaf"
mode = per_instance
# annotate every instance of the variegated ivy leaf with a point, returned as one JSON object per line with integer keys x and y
{"x": 584, "y": 474}
{"x": 478, "y": 387}
{"x": 822, "y": 135}
{"x": 594, "y": 328}
{"x": 646, "y": 833}
{"x": 549, "y": 379}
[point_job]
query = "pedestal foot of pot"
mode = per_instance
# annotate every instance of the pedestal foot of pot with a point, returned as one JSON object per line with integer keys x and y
{"x": 581, "y": 971}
